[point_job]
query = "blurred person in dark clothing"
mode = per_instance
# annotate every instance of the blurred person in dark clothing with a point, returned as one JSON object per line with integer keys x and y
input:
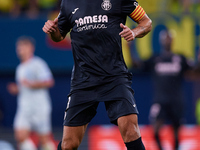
{"x": 167, "y": 70}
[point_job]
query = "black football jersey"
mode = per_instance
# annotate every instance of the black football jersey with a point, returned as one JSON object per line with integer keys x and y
{"x": 168, "y": 72}
{"x": 94, "y": 28}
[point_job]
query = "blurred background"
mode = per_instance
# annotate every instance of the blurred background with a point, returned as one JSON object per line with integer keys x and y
{"x": 27, "y": 17}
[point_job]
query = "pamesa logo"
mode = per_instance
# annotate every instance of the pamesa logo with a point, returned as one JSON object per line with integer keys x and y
{"x": 106, "y": 5}
{"x": 91, "y": 22}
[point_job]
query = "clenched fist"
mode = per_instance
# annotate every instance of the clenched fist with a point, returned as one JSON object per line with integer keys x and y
{"x": 50, "y": 26}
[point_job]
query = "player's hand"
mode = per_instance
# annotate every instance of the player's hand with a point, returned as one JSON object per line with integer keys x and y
{"x": 127, "y": 33}
{"x": 50, "y": 26}
{"x": 12, "y": 88}
{"x": 27, "y": 83}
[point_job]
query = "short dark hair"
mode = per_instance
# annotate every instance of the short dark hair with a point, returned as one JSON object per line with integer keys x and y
{"x": 26, "y": 39}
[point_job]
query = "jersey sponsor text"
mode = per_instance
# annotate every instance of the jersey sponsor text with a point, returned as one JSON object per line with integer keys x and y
{"x": 83, "y": 23}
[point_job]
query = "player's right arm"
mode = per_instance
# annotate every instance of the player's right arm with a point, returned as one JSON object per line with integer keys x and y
{"x": 58, "y": 28}
{"x": 12, "y": 88}
{"x": 51, "y": 28}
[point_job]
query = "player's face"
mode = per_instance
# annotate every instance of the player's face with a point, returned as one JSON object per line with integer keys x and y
{"x": 24, "y": 50}
{"x": 166, "y": 40}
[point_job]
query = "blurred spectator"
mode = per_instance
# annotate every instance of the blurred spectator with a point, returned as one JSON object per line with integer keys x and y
{"x": 184, "y": 6}
{"x": 48, "y": 4}
{"x": 33, "y": 8}
{"x": 34, "y": 107}
{"x": 172, "y": 6}
{"x": 191, "y": 5}
{"x": 29, "y": 8}
{"x": 167, "y": 70}
{"x": 6, "y": 6}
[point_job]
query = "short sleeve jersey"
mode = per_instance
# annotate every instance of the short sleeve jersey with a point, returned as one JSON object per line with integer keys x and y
{"x": 33, "y": 70}
{"x": 167, "y": 72}
{"x": 95, "y": 39}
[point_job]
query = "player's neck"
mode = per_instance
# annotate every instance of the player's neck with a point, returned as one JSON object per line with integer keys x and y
{"x": 27, "y": 59}
{"x": 166, "y": 52}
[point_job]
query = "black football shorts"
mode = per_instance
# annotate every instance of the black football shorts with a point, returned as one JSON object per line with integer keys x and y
{"x": 82, "y": 104}
{"x": 171, "y": 110}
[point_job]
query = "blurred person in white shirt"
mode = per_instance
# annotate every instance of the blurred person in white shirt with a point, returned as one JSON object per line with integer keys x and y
{"x": 33, "y": 78}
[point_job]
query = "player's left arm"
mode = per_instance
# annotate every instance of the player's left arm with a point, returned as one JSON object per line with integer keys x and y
{"x": 44, "y": 77}
{"x": 38, "y": 84}
{"x": 143, "y": 28}
{"x": 144, "y": 25}
{"x": 191, "y": 69}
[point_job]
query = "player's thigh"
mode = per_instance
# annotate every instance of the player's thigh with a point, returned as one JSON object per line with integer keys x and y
{"x": 72, "y": 136}
{"x": 128, "y": 127}
{"x": 81, "y": 108}
{"x": 22, "y": 125}
{"x": 44, "y": 138}
{"x": 122, "y": 111}
{"x": 22, "y": 119}
{"x": 175, "y": 114}
{"x": 21, "y": 134}
{"x": 42, "y": 123}
{"x": 121, "y": 103}
{"x": 158, "y": 112}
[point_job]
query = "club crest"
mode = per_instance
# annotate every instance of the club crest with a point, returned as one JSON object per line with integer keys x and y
{"x": 106, "y": 5}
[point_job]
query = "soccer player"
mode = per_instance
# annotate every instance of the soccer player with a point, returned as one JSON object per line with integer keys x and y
{"x": 99, "y": 73}
{"x": 33, "y": 78}
{"x": 167, "y": 70}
